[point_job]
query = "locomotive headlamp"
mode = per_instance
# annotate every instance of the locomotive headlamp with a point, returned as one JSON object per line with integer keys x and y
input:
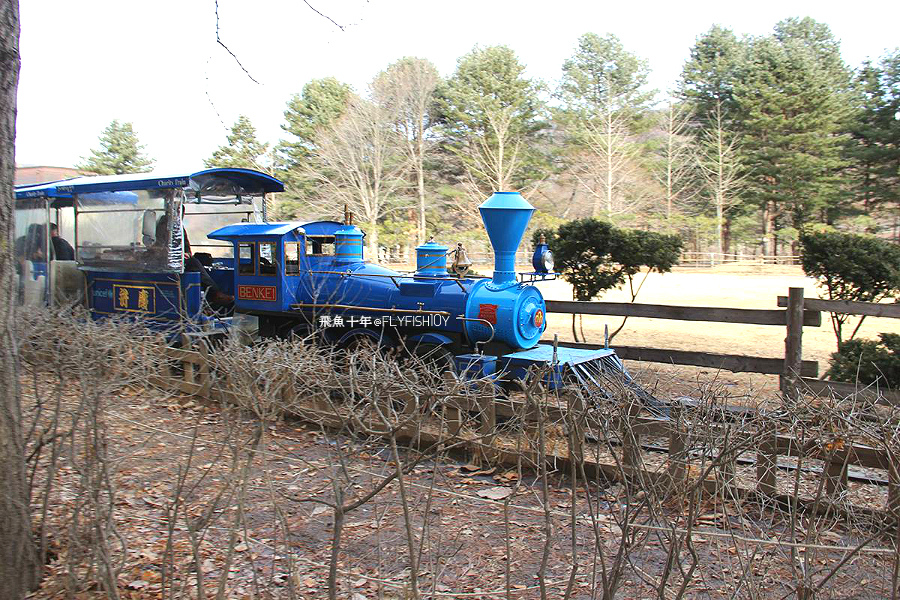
{"x": 542, "y": 261}
{"x": 547, "y": 261}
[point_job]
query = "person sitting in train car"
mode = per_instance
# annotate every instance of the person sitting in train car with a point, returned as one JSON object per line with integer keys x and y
{"x": 62, "y": 250}
{"x": 192, "y": 265}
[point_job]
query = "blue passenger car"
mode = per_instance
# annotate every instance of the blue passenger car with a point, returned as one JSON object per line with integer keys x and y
{"x": 136, "y": 240}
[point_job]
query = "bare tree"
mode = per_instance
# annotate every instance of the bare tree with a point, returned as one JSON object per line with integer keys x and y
{"x": 719, "y": 164}
{"x": 407, "y": 88}
{"x": 492, "y": 161}
{"x": 676, "y": 157}
{"x": 610, "y": 164}
{"x": 19, "y": 569}
{"x": 361, "y": 160}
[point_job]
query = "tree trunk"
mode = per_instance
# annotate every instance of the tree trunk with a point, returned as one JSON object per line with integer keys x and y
{"x": 726, "y": 235}
{"x": 19, "y": 569}
{"x": 420, "y": 181}
{"x": 372, "y": 235}
{"x": 771, "y": 225}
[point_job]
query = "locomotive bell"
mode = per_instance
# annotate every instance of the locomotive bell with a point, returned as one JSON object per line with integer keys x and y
{"x": 505, "y": 216}
{"x": 461, "y": 263}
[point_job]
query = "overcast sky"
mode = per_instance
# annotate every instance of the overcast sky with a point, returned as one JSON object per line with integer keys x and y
{"x": 157, "y": 63}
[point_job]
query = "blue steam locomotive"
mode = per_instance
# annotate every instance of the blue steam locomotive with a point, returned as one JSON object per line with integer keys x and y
{"x": 312, "y": 279}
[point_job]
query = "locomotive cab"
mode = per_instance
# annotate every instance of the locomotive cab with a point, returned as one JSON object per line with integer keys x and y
{"x": 269, "y": 257}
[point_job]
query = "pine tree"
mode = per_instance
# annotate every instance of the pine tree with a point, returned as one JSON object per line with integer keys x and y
{"x": 709, "y": 76}
{"x": 602, "y": 75}
{"x": 604, "y": 104}
{"x": 793, "y": 102}
{"x": 708, "y": 79}
{"x": 120, "y": 152}
{"x": 319, "y": 105}
{"x": 243, "y": 150}
{"x": 875, "y": 150}
{"x": 492, "y": 121}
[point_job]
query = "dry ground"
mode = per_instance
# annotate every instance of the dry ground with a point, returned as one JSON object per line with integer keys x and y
{"x": 735, "y": 287}
{"x": 284, "y": 553}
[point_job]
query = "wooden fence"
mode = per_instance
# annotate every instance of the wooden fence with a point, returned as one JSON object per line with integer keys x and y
{"x": 475, "y": 415}
{"x": 786, "y": 364}
{"x": 712, "y": 259}
{"x": 797, "y": 312}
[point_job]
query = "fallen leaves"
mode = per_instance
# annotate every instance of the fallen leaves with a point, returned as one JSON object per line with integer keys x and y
{"x": 495, "y": 493}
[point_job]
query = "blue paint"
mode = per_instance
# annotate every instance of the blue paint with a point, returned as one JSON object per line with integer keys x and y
{"x": 511, "y": 310}
{"x": 156, "y": 297}
{"x": 505, "y": 216}
{"x": 475, "y": 366}
{"x": 431, "y": 260}
{"x": 348, "y": 245}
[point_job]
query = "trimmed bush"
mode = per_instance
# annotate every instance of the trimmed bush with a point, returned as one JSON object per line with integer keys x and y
{"x": 866, "y": 361}
{"x": 851, "y": 267}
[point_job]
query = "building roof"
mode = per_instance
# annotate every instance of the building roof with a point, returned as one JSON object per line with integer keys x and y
{"x": 35, "y": 174}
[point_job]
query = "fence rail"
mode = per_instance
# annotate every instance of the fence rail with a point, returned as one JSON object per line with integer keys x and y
{"x": 712, "y": 259}
{"x": 871, "y": 309}
{"x": 752, "y": 316}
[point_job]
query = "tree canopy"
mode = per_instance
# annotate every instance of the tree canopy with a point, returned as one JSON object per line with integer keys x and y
{"x": 491, "y": 118}
{"x": 119, "y": 153}
{"x": 243, "y": 149}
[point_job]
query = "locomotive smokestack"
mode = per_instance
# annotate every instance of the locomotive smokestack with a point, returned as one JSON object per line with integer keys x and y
{"x": 505, "y": 216}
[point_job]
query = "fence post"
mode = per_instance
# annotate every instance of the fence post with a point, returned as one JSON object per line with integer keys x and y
{"x": 793, "y": 344}
{"x": 767, "y": 460}
{"x": 677, "y": 446}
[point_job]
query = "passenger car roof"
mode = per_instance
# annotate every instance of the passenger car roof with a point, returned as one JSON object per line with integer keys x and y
{"x": 242, "y": 230}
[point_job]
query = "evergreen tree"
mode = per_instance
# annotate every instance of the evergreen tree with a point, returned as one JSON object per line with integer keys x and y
{"x": 119, "y": 153}
{"x": 243, "y": 150}
{"x": 602, "y": 75}
{"x": 793, "y": 102}
{"x": 875, "y": 150}
{"x": 319, "y": 105}
{"x": 707, "y": 85}
{"x": 492, "y": 120}
{"x": 710, "y": 74}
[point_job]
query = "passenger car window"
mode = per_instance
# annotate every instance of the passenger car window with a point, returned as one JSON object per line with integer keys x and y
{"x": 268, "y": 263}
{"x": 246, "y": 259}
{"x": 291, "y": 258}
